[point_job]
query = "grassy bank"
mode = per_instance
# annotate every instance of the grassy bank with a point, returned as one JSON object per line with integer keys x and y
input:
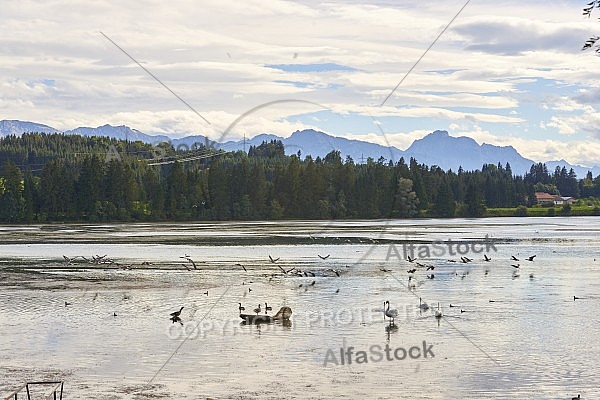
{"x": 536, "y": 211}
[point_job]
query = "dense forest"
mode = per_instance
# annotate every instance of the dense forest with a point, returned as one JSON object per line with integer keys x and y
{"x": 45, "y": 178}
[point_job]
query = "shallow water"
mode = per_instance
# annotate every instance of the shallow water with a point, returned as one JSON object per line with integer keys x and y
{"x": 533, "y": 340}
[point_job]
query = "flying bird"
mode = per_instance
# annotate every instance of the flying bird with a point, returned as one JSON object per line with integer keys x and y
{"x": 486, "y": 258}
{"x": 410, "y": 259}
{"x": 274, "y": 260}
{"x": 324, "y": 257}
{"x": 531, "y": 258}
{"x": 513, "y": 258}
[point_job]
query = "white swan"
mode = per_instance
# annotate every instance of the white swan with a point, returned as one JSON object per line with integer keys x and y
{"x": 438, "y": 313}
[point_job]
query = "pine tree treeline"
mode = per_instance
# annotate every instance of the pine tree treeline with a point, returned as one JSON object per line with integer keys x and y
{"x": 56, "y": 177}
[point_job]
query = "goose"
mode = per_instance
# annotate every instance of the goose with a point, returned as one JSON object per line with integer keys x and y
{"x": 67, "y": 304}
{"x": 513, "y": 258}
{"x": 430, "y": 268}
{"x": 412, "y": 271}
{"x": 430, "y": 276}
{"x": 267, "y": 308}
{"x": 390, "y": 313}
{"x": 176, "y": 314}
{"x": 438, "y": 313}
{"x": 241, "y": 308}
{"x": 114, "y": 314}
{"x": 452, "y": 305}
{"x": 530, "y": 258}
{"x": 486, "y": 258}
{"x": 410, "y": 259}
{"x": 257, "y": 310}
{"x": 313, "y": 283}
{"x": 206, "y": 293}
{"x": 515, "y": 265}
{"x": 274, "y": 260}
{"x": 422, "y": 305}
{"x": 576, "y": 298}
{"x": 337, "y": 291}
{"x": 576, "y": 398}
{"x": 324, "y": 257}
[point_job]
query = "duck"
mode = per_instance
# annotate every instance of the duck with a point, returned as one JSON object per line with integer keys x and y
{"x": 241, "y": 308}
{"x": 257, "y": 310}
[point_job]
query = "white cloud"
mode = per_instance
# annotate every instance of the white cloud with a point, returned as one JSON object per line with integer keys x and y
{"x": 500, "y": 64}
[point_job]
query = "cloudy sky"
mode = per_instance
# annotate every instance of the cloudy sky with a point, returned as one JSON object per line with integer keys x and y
{"x": 504, "y": 72}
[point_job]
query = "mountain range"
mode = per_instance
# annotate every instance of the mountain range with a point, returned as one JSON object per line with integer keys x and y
{"x": 436, "y": 148}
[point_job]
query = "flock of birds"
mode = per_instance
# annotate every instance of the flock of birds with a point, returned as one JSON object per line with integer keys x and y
{"x": 388, "y": 312}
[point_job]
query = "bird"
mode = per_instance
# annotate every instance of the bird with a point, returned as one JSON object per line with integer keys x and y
{"x": 410, "y": 259}
{"x": 186, "y": 257}
{"x": 430, "y": 267}
{"x": 67, "y": 304}
{"x": 513, "y": 258}
{"x": 274, "y": 260}
{"x": 390, "y": 313}
{"x": 462, "y": 311}
{"x": 175, "y": 318}
{"x": 337, "y": 273}
{"x": 240, "y": 265}
{"x": 452, "y": 305}
{"x": 114, "y": 314}
{"x": 257, "y": 310}
{"x": 530, "y": 258}
{"x": 430, "y": 276}
{"x": 284, "y": 271}
{"x": 486, "y": 258}
{"x": 176, "y": 314}
{"x": 438, "y": 313}
{"x": 531, "y": 276}
{"x": 576, "y": 298}
{"x": 241, "y": 308}
{"x": 576, "y": 398}
{"x": 492, "y": 301}
{"x": 206, "y": 293}
{"x": 515, "y": 265}
{"x": 412, "y": 271}
{"x": 324, "y": 257}
{"x": 422, "y": 305}
{"x": 313, "y": 283}
{"x": 337, "y": 291}
{"x": 267, "y": 308}
{"x": 249, "y": 290}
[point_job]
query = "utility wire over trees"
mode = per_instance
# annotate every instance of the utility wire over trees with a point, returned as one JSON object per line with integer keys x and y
{"x": 46, "y": 178}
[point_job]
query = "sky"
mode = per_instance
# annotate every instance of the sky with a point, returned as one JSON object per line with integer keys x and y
{"x": 503, "y": 72}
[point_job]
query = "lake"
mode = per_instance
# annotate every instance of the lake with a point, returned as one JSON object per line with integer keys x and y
{"x": 101, "y": 322}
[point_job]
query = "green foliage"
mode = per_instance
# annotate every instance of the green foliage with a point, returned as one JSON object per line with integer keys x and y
{"x": 521, "y": 211}
{"x": 45, "y": 178}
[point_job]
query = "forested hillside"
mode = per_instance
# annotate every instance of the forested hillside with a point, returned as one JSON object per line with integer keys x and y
{"x": 55, "y": 177}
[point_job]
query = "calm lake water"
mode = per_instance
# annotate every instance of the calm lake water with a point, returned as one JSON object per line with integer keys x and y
{"x": 510, "y": 332}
